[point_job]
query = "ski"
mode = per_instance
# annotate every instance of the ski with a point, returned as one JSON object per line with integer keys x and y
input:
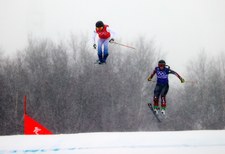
{"x": 98, "y": 62}
{"x": 151, "y": 108}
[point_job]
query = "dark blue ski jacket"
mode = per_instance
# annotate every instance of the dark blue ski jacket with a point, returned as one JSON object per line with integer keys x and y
{"x": 162, "y": 75}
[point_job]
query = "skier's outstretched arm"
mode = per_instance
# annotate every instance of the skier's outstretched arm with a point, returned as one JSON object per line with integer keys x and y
{"x": 151, "y": 76}
{"x": 175, "y": 73}
{"x": 112, "y": 33}
{"x": 93, "y": 38}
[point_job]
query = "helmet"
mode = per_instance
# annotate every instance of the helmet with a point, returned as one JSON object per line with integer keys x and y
{"x": 99, "y": 24}
{"x": 162, "y": 63}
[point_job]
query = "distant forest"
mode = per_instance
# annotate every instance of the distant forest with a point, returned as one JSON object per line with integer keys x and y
{"x": 68, "y": 93}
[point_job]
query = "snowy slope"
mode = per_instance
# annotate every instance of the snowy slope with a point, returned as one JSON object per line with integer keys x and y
{"x": 191, "y": 142}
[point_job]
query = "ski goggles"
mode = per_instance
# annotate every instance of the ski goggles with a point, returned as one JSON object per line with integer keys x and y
{"x": 161, "y": 65}
{"x": 99, "y": 28}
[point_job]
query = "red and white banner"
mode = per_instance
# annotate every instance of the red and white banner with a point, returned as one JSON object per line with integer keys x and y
{"x": 31, "y": 126}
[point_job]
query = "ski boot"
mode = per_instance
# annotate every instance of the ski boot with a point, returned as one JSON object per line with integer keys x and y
{"x": 97, "y": 61}
{"x": 100, "y": 62}
{"x": 156, "y": 110}
{"x": 163, "y": 111}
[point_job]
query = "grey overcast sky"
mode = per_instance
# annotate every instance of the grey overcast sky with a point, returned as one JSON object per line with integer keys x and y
{"x": 180, "y": 28}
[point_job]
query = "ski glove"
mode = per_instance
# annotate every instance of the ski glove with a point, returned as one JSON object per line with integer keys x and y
{"x": 182, "y": 80}
{"x": 149, "y": 78}
{"x": 111, "y": 40}
{"x": 94, "y": 46}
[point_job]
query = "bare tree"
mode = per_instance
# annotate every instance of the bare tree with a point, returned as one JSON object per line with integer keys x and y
{"x": 68, "y": 93}
{"x": 202, "y": 102}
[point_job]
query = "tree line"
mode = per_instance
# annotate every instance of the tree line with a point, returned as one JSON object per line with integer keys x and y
{"x": 68, "y": 93}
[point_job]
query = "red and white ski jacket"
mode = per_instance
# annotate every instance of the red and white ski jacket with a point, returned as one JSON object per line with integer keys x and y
{"x": 106, "y": 33}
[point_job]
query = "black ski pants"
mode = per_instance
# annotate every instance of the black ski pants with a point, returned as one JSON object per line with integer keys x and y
{"x": 161, "y": 90}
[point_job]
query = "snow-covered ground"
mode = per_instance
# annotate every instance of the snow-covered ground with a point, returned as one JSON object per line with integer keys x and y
{"x": 188, "y": 142}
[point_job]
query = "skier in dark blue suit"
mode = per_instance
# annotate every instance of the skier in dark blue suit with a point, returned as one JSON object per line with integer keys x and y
{"x": 162, "y": 85}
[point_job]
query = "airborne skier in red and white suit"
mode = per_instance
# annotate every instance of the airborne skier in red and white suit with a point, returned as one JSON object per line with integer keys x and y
{"x": 105, "y": 35}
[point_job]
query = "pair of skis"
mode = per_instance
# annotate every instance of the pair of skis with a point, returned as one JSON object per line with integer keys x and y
{"x": 156, "y": 115}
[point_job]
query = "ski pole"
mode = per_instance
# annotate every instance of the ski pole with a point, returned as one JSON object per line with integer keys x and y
{"x": 189, "y": 81}
{"x": 153, "y": 81}
{"x": 123, "y": 45}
